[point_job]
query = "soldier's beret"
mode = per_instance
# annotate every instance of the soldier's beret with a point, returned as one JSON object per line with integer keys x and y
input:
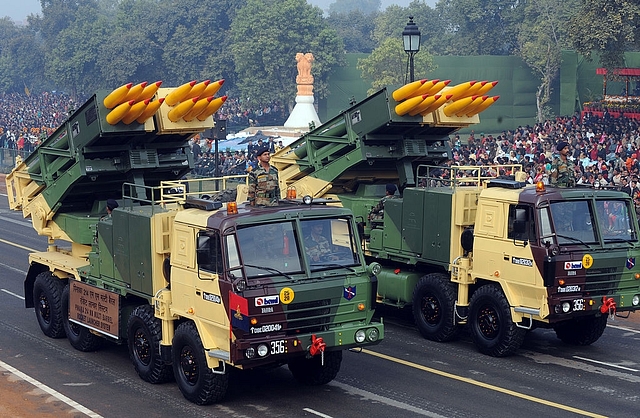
{"x": 262, "y": 150}
{"x": 561, "y": 145}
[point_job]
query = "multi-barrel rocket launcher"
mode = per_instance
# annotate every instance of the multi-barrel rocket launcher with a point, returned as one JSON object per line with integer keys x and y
{"x": 134, "y": 134}
{"x": 381, "y": 139}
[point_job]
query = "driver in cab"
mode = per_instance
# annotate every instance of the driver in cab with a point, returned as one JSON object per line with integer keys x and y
{"x": 317, "y": 245}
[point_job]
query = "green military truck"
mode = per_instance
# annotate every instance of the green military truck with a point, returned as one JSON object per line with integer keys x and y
{"x": 194, "y": 287}
{"x": 462, "y": 247}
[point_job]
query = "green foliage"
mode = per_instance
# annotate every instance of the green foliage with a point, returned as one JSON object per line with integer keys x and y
{"x": 607, "y": 26}
{"x": 355, "y": 28}
{"x": 541, "y": 38}
{"x": 388, "y": 65}
{"x": 347, "y": 6}
{"x": 266, "y": 35}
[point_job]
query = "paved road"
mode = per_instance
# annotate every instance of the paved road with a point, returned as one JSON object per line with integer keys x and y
{"x": 405, "y": 376}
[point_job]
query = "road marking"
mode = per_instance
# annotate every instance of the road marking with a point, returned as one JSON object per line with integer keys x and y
{"x": 12, "y": 294}
{"x": 623, "y": 328}
{"x": 15, "y": 221}
{"x": 52, "y": 392}
{"x": 606, "y": 364}
{"x": 320, "y": 414}
{"x": 8, "y": 267}
{"x": 484, "y": 385}
{"x": 4, "y": 241}
{"x": 365, "y": 395}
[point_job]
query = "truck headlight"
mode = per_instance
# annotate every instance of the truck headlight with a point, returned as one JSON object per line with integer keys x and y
{"x": 566, "y": 307}
{"x": 636, "y": 300}
{"x": 372, "y": 334}
{"x": 250, "y": 352}
{"x": 360, "y": 336}
{"x": 262, "y": 350}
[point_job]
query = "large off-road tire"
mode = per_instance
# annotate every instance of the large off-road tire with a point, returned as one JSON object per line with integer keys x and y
{"x": 144, "y": 333}
{"x": 434, "y": 300}
{"x": 581, "y": 331}
{"x": 47, "y": 299}
{"x": 492, "y": 328}
{"x": 197, "y": 382}
{"x": 310, "y": 371}
{"x": 81, "y": 338}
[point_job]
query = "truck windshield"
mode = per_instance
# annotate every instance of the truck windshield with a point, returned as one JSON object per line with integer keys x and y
{"x": 281, "y": 249}
{"x": 584, "y": 221}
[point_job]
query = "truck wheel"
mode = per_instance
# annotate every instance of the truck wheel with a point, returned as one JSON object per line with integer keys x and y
{"x": 581, "y": 331}
{"x": 433, "y": 307}
{"x": 47, "y": 294}
{"x": 197, "y": 382}
{"x": 144, "y": 333}
{"x": 311, "y": 371}
{"x": 492, "y": 328}
{"x": 81, "y": 338}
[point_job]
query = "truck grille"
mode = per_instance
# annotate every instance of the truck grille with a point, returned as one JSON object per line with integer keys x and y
{"x": 604, "y": 281}
{"x": 313, "y": 316}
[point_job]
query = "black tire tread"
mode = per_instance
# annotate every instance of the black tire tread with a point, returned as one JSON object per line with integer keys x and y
{"x": 51, "y": 286}
{"x": 157, "y": 371}
{"x": 511, "y": 336}
{"x": 211, "y": 387}
{"x": 440, "y": 286}
{"x": 311, "y": 372}
{"x": 581, "y": 331}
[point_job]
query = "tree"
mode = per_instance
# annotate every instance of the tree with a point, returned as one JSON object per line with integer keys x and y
{"x": 347, "y": 6}
{"x": 480, "y": 27}
{"x": 609, "y": 27}
{"x": 541, "y": 38}
{"x": 355, "y": 28}
{"x": 265, "y": 40}
{"x": 387, "y": 64}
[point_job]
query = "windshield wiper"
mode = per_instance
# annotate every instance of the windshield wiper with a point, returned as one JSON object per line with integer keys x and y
{"x": 271, "y": 270}
{"x": 573, "y": 239}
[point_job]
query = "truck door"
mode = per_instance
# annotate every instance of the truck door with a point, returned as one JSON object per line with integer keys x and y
{"x": 517, "y": 258}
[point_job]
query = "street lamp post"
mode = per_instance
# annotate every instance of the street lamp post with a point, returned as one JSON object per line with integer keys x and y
{"x": 411, "y": 41}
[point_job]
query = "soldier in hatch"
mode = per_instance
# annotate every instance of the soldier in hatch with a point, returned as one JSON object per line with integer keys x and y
{"x": 264, "y": 189}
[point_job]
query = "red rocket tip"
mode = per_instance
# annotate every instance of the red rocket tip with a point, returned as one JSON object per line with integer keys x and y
{"x": 129, "y": 85}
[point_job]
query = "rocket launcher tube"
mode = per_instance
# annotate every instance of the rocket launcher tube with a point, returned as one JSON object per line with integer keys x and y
{"x": 453, "y": 108}
{"x": 150, "y": 110}
{"x": 437, "y": 87}
{"x": 428, "y": 85}
{"x": 134, "y": 92}
{"x": 483, "y": 106}
{"x": 475, "y": 103}
{"x": 212, "y": 108}
{"x": 459, "y": 90}
{"x": 439, "y": 102}
{"x": 406, "y": 90}
{"x": 197, "y": 90}
{"x": 486, "y": 88}
{"x": 149, "y": 91}
{"x": 181, "y": 109}
{"x": 115, "y": 97}
{"x": 136, "y": 110}
{"x": 405, "y": 107}
{"x": 424, "y": 105}
{"x": 198, "y": 108}
{"x": 119, "y": 112}
{"x": 179, "y": 93}
{"x": 473, "y": 90}
{"x": 212, "y": 88}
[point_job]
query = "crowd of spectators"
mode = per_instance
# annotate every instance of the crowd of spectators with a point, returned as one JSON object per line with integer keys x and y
{"x": 229, "y": 163}
{"x": 26, "y": 119}
{"x": 241, "y": 116}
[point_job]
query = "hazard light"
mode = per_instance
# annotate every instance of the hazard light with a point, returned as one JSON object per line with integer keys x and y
{"x": 540, "y": 187}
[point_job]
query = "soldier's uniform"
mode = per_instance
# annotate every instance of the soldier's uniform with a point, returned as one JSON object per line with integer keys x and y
{"x": 317, "y": 247}
{"x": 377, "y": 211}
{"x": 263, "y": 186}
{"x": 562, "y": 172}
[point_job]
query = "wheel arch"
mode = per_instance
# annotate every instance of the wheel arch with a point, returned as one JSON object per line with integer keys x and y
{"x": 32, "y": 273}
